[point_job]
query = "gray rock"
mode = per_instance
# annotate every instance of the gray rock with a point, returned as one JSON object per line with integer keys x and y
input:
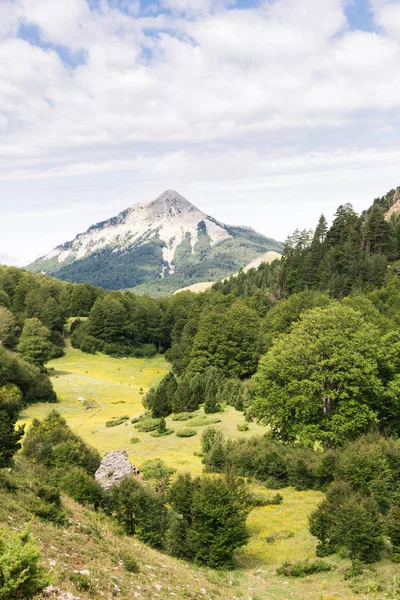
{"x": 54, "y": 592}
{"x": 113, "y": 468}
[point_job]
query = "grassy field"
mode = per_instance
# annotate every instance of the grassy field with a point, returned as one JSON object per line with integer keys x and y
{"x": 114, "y": 388}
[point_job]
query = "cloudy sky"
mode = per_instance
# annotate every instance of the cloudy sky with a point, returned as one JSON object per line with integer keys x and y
{"x": 261, "y": 112}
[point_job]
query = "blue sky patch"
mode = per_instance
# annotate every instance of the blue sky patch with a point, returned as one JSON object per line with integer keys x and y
{"x": 71, "y": 58}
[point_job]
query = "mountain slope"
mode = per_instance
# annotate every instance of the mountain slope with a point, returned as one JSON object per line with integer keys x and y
{"x": 167, "y": 243}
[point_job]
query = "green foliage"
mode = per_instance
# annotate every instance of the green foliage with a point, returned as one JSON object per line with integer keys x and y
{"x": 135, "y": 440}
{"x": 184, "y": 416}
{"x": 130, "y": 563}
{"x": 186, "y": 433}
{"x": 81, "y": 581}
{"x": 361, "y": 502}
{"x": 52, "y": 443}
{"x": 156, "y": 474}
{"x": 321, "y": 381}
{"x": 139, "y": 511}
{"x": 21, "y": 574}
{"x": 228, "y": 341}
{"x": 208, "y": 522}
{"x": 303, "y": 568}
{"x": 218, "y": 522}
{"x": 242, "y": 426}
{"x": 10, "y": 436}
{"x": 147, "y": 424}
{"x": 115, "y": 421}
{"x": 35, "y": 345}
{"x": 160, "y": 400}
{"x": 8, "y": 326}
{"x": 81, "y": 486}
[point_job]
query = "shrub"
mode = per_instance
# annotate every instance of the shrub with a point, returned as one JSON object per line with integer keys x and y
{"x": 139, "y": 511}
{"x": 259, "y": 500}
{"x": 51, "y": 442}
{"x": 242, "y": 427}
{"x": 135, "y": 440}
{"x": 82, "y": 487}
{"x": 186, "y": 433}
{"x": 21, "y": 574}
{"x": 117, "y": 421}
{"x": 147, "y": 424}
{"x": 203, "y": 420}
{"x": 157, "y": 434}
{"x": 184, "y": 416}
{"x": 303, "y": 568}
{"x": 145, "y": 351}
{"x": 130, "y": 563}
{"x": 81, "y": 581}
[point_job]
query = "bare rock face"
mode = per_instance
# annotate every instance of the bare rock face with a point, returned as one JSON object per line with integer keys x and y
{"x": 54, "y": 592}
{"x": 395, "y": 208}
{"x": 113, "y": 468}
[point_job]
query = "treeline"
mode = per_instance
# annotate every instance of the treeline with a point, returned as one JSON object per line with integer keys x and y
{"x": 360, "y": 516}
{"x": 20, "y": 384}
{"x": 34, "y": 310}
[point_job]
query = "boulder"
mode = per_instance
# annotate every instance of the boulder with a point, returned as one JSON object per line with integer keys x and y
{"x": 113, "y": 468}
{"x": 54, "y": 592}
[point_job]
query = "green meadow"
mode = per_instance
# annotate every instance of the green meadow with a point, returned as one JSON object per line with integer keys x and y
{"x": 94, "y": 389}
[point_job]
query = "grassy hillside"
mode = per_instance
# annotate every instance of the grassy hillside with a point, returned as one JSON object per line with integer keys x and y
{"x": 113, "y": 387}
{"x": 278, "y": 533}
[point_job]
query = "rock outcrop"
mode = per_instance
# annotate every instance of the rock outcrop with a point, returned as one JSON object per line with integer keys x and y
{"x": 395, "y": 208}
{"x": 113, "y": 468}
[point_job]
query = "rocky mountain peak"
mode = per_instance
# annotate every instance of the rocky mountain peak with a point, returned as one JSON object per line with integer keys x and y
{"x": 169, "y": 204}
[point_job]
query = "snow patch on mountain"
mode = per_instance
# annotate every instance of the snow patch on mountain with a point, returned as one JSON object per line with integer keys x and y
{"x": 169, "y": 217}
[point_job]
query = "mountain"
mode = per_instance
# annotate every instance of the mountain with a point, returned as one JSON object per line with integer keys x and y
{"x": 161, "y": 246}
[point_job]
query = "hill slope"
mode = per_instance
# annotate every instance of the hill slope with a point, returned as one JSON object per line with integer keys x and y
{"x": 167, "y": 242}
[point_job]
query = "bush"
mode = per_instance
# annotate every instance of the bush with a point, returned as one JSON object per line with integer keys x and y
{"x": 145, "y": 351}
{"x": 135, "y": 440}
{"x": 147, "y": 424}
{"x": 21, "y": 574}
{"x": 203, "y": 420}
{"x": 303, "y": 568}
{"x": 186, "y": 433}
{"x": 81, "y": 581}
{"x": 259, "y": 500}
{"x": 157, "y": 434}
{"x": 117, "y": 421}
{"x": 52, "y": 443}
{"x": 184, "y": 416}
{"x": 78, "y": 484}
{"x": 242, "y": 427}
{"x": 129, "y": 562}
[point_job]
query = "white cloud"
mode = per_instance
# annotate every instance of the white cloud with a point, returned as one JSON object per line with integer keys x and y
{"x": 202, "y": 96}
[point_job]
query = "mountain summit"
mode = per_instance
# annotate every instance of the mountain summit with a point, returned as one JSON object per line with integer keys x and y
{"x": 160, "y": 245}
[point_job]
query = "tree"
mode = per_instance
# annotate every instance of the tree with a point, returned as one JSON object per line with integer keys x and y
{"x": 21, "y": 572}
{"x": 160, "y": 400}
{"x": 157, "y": 475}
{"x": 213, "y": 382}
{"x": 52, "y": 443}
{"x": 218, "y": 522}
{"x": 321, "y": 381}
{"x": 7, "y": 325}
{"x": 10, "y": 404}
{"x": 228, "y": 341}
{"x": 34, "y": 344}
{"x": 108, "y": 320}
{"x": 138, "y": 511}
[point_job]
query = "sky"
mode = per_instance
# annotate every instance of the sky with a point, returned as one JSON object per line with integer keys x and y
{"x": 264, "y": 113}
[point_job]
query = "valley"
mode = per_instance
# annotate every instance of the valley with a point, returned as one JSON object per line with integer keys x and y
{"x": 112, "y": 387}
